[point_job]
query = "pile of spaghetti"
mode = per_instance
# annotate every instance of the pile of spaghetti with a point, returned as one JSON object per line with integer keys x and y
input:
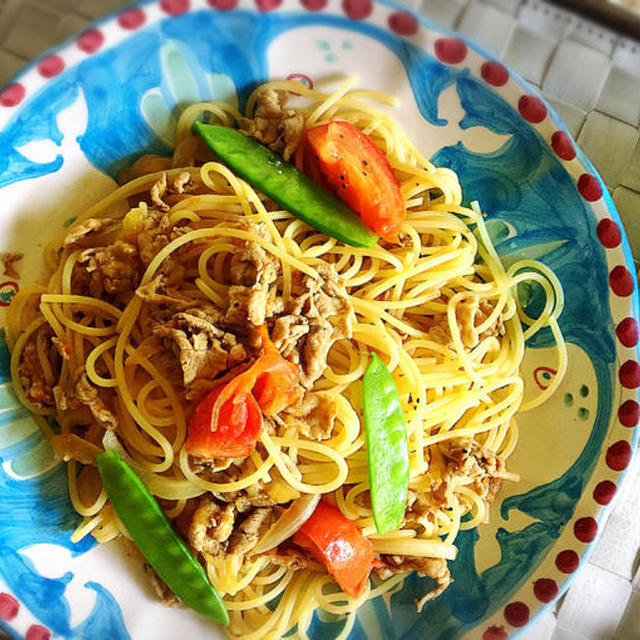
{"x": 158, "y": 294}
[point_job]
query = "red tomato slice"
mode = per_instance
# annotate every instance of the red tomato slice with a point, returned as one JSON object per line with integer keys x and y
{"x": 340, "y": 545}
{"x": 359, "y": 173}
{"x": 236, "y": 429}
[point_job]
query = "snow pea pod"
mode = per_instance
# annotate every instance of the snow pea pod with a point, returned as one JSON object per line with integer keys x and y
{"x": 282, "y": 182}
{"x": 387, "y": 446}
{"x": 152, "y": 532}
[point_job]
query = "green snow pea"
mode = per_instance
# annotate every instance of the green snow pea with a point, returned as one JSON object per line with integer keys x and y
{"x": 152, "y": 532}
{"x": 282, "y": 182}
{"x": 387, "y": 446}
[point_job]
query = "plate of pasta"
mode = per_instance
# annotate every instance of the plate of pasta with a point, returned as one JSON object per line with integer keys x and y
{"x": 315, "y": 323}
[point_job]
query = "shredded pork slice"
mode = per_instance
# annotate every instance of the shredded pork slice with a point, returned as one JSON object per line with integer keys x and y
{"x": 32, "y": 377}
{"x": 88, "y": 395}
{"x": 159, "y": 292}
{"x": 465, "y": 457}
{"x": 211, "y": 526}
{"x": 204, "y": 350}
{"x": 154, "y": 234}
{"x": 83, "y": 234}
{"x": 314, "y": 416}
{"x": 318, "y": 316}
{"x": 278, "y": 128}
{"x": 292, "y": 558}
{"x": 435, "y": 568}
{"x": 246, "y": 535}
{"x": 8, "y": 262}
{"x": 469, "y": 314}
{"x": 113, "y": 270}
{"x": 253, "y": 296}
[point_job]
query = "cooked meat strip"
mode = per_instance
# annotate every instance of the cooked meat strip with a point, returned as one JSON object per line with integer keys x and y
{"x": 320, "y": 314}
{"x": 158, "y": 190}
{"x": 466, "y": 457}
{"x": 202, "y": 348}
{"x": 158, "y": 292}
{"x": 8, "y": 261}
{"x": 165, "y": 595}
{"x": 274, "y": 125}
{"x": 292, "y": 558}
{"x": 88, "y": 395}
{"x": 32, "y": 378}
{"x": 83, "y": 235}
{"x": 469, "y": 314}
{"x": 114, "y": 269}
{"x": 211, "y": 525}
{"x": 253, "y": 297}
{"x": 246, "y": 535}
{"x": 435, "y": 568}
{"x": 314, "y": 416}
{"x": 154, "y": 234}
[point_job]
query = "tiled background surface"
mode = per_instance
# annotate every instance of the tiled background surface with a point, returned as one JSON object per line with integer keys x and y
{"x": 591, "y": 76}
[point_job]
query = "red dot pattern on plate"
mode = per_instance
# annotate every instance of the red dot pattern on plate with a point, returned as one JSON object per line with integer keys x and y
{"x": 223, "y": 5}
{"x": 609, "y": 233}
{"x": 567, "y": 561}
{"x": 267, "y": 5}
{"x": 12, "y": 95}
{"x": 90, "y": 41}
{"x": 545, "y": 589}
{"x": 532, "y": 109}
{"x": 495, "y": 633}
{"x": 37, "y": 632}
{"x": 403, "y": 23}
{"x": 618, "y": 455}
{"x": 450, "y": 50}
{"x": 604, "y": 492}
{"x": 132, "y": 19}
{"x": 174, "y": 7}
{"x": 562, "y": 145}
{"x": 9, "y": 606}
{"x": 629, "y": 374}
{"x": 621, "y": 281}
{"x": 589, "y": 187}
{"x": 50, "y": 66}
{"x": 494, "y": 73}
{"x": 357, "y": 9}
{"x": 627, "y": 332}
{"x": 314, "y": 5}
{"x": 585, "y": 529}
{"x": 629, "y": 413}
{"x": 516, "y": 614}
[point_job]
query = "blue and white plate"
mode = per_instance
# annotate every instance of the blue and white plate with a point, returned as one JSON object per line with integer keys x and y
{"x": 73, "y": 119}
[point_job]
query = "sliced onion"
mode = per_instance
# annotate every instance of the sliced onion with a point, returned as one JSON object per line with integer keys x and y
{"x": 288, "y": 523}
{"x": 417, "y": 547}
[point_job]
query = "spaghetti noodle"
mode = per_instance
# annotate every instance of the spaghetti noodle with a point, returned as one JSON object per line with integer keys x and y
{"x": 91, "y": 364}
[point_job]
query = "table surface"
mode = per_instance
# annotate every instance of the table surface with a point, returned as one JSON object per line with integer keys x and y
{"x": 599, "y": 100}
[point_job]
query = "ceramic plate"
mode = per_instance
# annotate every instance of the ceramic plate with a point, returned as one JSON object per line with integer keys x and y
{"x": 74, "y": 118}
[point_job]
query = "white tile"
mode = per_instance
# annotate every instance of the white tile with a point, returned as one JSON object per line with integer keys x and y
{"x": 562, "y": 633}
{"x": 620, "y": 96}
{"x": 508, "y": 6}
{"x": 595, "y": 603}
{"x": 631, "y": 177}
{"x": 627, "y": 55}
{"x": 443, "y": 13}
{"x": 540, "y": 628}
{"x": 593, "y": 35}
{"x": 609, "y": 144}
{"x": 9, "y": 65}
{"x": 627, "y": 203}
{"x": 546, "y": 19}
{"x": 576, "y": 75}
{"x": 489, "y": 27}
{"x": 572, "y": 116}
{"x": 529, "y": 54}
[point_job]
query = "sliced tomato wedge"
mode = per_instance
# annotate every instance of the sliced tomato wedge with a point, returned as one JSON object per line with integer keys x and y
{"x": 340, "y": 545}
{"x": 359, "y": 173}
{"x": 236, "y": 429}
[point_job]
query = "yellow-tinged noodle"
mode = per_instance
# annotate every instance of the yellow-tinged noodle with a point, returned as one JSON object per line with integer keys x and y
{"x": 448, "y": 391}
